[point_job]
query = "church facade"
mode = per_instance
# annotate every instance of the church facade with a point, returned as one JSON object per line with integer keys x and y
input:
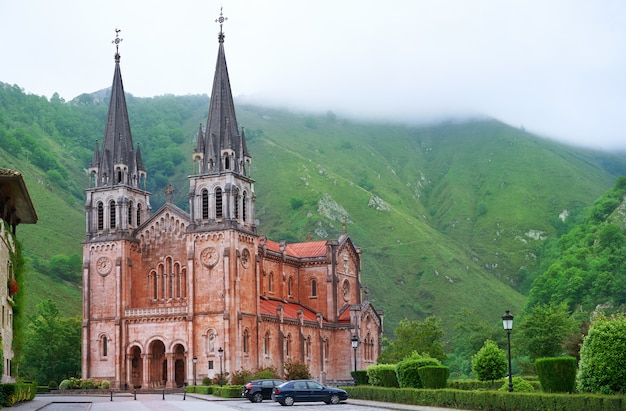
{"x": 171, "y": 297}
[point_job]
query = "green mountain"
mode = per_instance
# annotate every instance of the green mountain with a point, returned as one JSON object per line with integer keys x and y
{"x": 449, "y": 216}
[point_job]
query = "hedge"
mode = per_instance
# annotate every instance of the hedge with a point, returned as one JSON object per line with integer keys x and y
{"x": 16, "y": 392}
{"x": 490, "y": 400}
{"x": 557, "y": 374}
{"x": 361, "y": 377}
{"x": 383, "y": 375}
{"x": 468, "y": 385}
{"x": 432, "y": 376}
{"x": 226, "y": 391}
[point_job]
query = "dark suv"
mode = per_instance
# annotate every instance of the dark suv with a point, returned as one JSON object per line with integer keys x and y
{"x": 259, "y": 390}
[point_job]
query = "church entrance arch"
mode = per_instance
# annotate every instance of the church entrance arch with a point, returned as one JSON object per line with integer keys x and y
{"x": 136, "y": 367}
{"x": 179, "y": 365}
{"x": 158, "y": 364}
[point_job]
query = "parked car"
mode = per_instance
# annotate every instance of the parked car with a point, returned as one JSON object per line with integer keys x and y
{"x": 307, "y": 391}
{"x": 259, "y": 390}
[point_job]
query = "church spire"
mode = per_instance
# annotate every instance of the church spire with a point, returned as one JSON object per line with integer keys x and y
{"x": 223, "y": 148}
{"x": 118, "y": 162}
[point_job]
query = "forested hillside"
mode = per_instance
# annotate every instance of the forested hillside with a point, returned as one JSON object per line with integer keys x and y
{"x": 449, "y": 216}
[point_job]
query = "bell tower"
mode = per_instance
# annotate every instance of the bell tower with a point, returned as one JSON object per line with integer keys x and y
{"x": 221, "y": 193}
{"x": 117, "y": 203}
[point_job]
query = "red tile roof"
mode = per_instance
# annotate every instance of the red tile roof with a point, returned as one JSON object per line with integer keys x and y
{"x": 290, "y": 310}
{"x": 345, "y": 316}
{"x": 300, "y": 250}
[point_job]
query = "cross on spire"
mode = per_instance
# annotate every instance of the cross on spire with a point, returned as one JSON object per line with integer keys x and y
{"x": 117, "y": 42}
{"x": 221, "y": 19}
{"x": 169, "y": 190}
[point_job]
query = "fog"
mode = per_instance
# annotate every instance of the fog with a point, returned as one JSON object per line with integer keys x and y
{"x": 555, "y": 68}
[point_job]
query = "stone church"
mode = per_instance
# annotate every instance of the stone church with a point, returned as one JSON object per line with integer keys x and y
{"x": 174, "y": 296}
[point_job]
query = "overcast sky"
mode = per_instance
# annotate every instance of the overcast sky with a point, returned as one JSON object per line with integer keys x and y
{"x": 557, "y": 68}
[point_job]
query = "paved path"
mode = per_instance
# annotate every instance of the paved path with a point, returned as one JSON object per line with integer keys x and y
{"x": 188, "y": 402}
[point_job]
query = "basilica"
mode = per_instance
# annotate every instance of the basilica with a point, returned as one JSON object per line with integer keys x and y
{"x": 173, "y": 296}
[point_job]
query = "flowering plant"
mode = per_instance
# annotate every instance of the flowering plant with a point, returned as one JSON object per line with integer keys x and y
{"x": 12, "y": 286}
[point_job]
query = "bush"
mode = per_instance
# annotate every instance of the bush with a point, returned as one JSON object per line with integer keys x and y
{"x": 360, "y": 377}
{"x": 266, "y": 373}
{"x": 489, "y": 363}
{"x": 519, "y": 385}
{"x": 408, "y": 370}
{"x": 206, "y": 381}
{"x": 241, "y": 377}
{"x": 65, "y": 385}
{"x": 383, "y": 375}
{"x": 602, "y": 365}
{"x": 16, "y": 392}
{"x": 557, "y": 374}
{"x": 53, "y": 385}
{"x": 433, "y": 376}
{"x": 296, "y": 370}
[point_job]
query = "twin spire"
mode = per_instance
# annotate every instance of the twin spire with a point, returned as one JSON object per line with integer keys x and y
{"x": 219, "y": 148}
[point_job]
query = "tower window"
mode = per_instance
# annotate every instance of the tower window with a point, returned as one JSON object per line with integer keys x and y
{"x": 244, "y": 206}
{"x": 236, "y": 198}
{"x": 246, "y": 338}
{"x": 205, "y": 204}
{"x": 112, "y": 214}
{"x": 218, "y": 203}
{"x": 313, "y": 288}
{"x": 266, "y": 344}
{"x": 138, "y": 215}
{"x": 130, "y": 213}
{"x": 105, "y": 347}
{"x": 100, "y": 216}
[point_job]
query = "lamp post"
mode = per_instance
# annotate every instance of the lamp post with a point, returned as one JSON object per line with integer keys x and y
{"x": 507, "y": 323}
{"x": 220, "y": 352}
{"x": 355, "y": 343}
{"x": 195, "y": 361}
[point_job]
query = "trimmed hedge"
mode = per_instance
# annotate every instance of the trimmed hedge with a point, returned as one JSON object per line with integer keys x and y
{"x": 226, "y": 391}
{"x": 15, "y": 392}
{"x": 408, "y": 370}
{"x": 468, "y": 385}
{"x": 434, "y": 377}
{"x": 383, "y": 375}
{"x": 361, "y": 377}
{"x": 490, "y": 400}
{"x": 557, "y": 374}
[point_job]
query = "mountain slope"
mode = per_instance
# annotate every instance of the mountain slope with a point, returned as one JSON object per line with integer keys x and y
{"x": 448, "y": 215}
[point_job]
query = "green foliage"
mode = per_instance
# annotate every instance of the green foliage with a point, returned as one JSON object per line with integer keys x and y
{"x": 241, "y": 377}
{"x": 519, "y": 385}
{"x": 360, "y": 377}
{"x": 266, "y": 373}
{"x": 433, "y": 377}
{"x": 206, "y": 381}
{"x": 543, "y": 331}
{"x": 53, "y": 385}
{"x": 17, "y": 392}
{"x": 557, "y": 374}
{"x": 52, "y": 347}
{"x": 414, "y": 336}
{"x": 602, "y": 367}
{"x": 296, "y": 203}
{"x": 296, "y": 370}
{"x": 490, "y": 362}
{"x": 383, "y": 375}
{"x": 408, "y": 370}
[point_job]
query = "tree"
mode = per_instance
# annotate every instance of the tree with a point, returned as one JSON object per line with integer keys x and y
{"x": 489, "y": 363}
{"x": 544, "y": 331}
{"x": 602, "y": 366}
{"x": 52, "y": 345}
{"x": 414, "y": 336}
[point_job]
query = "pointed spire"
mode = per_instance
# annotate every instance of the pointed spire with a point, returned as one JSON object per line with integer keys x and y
{"x": 221, "y": 136}
{"x": 95, "y": 160}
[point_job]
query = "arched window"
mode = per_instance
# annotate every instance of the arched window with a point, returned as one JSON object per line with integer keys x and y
{"x": 177, "y": 279}
{"x": 211, "y": 342}
{"x": 100, "y": 216}
{"x": 162, "y": 279}
{"x": 246, "y": 341}
{"x": 105, "y": 347}
{"x": 314, "y": 288}
{"x": 244, "y": 206}
{"x": 155, "y": 288}
{"x": 227, "y": 162}
{"x": 130, "y": 213}
{"x": 270, "y": 282}
{"x": 169, "y": 278}
{"x": 289, "y": 286}
{"x": 236, "y": 198}
{"x": 138, "y": 215}
{"x": 119, "y": 175}
{"x": 112, "y": 214}
{"x": 205, "y": 204}
{"x": 307, "y": 347}
{"x": 266, "y": 343}
{"x": 288, "y": 345}
{"x": 218, "y": 203}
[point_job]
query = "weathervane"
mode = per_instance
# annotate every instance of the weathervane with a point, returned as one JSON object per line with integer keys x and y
{"x": 221, "y": 19}
{"x": 117, "y": 42}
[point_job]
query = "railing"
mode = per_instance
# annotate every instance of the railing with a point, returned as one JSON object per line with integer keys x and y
{"x": 156, "y": 311}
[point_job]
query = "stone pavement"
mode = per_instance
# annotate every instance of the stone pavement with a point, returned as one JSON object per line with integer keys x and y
{"x": 169, "y": 401}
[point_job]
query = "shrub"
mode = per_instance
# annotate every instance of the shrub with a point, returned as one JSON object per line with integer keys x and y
{"x": 265, "y": 373}
{"x": 602, "y": 366}
{"x": 557, "y": 374}
{"x": 65, "y": 385}
{"x": 490, "y": 362}
{"x": 407, "y": 370}
{"x": 296, "y": 370}
{"x": 241, "y": 377}
{"x": 206, "y": 381}
{"x": 433, "y": 376}
{"x": 105, "y": 385}
{"x": 360, "y": 377}
{"x": 383, "y": 375}
{"x": 519, "y": 385}
{"x": 52, "y": 385}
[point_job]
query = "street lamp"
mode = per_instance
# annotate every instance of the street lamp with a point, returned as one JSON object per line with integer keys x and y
{"x": 220, "y": 352}
{"x": 195, "y": 361}
{"x": 507, "y": 323}
{"x": 355, "y": 343}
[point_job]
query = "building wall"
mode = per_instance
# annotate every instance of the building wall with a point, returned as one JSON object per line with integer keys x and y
{"x": 6, "y": 271}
